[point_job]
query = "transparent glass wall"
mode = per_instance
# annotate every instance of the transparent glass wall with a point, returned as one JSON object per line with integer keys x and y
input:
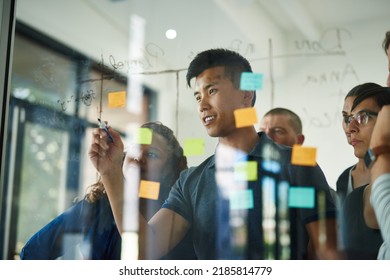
{"x": 125, "y": 62}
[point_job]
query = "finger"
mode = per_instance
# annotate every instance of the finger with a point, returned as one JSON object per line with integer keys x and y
{"x": 114, "y": 134}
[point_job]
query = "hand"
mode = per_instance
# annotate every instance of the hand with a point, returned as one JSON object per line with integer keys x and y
{"x": 105, "y": 155}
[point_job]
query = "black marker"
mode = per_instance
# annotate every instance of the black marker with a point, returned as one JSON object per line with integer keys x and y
{"x": 105, "y": 128}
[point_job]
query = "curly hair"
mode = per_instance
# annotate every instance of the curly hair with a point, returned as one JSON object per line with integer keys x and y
{"x": 177, "y": 162}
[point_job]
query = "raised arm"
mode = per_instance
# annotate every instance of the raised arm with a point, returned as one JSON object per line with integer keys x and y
{"x": 166, "y": 228}
{"x": 380, "y": 136}
{"x": 107, "y": 158}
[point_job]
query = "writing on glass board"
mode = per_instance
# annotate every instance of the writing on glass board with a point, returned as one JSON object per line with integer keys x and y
{"x": 330, "y": 40}
{"x": 86, "y": 98}
{"x": 151, "y": 55}
{"x": 334, "y": 76}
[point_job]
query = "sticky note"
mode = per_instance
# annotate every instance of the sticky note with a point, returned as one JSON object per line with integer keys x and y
{"x": 149, "y": 189}
{"x": 143, "y": 135}
{"x": 245, "y": 171}
{"x": 303, "y": 155}
{"x": 301, "y": 197}
{"x": 193, "y": 147}
{"x": 271, "y": 166}
{"x": 116, "y": 99}
{"x": 241, "y": 199}
{"x": 245, "y": 117}
{"x": 251, "y": 81}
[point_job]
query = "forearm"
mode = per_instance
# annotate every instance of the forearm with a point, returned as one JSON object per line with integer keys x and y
{"x": 368, "y": 210}
{"x": 380, "y": 166}
{"x": 162, "y": 233}
{"x": 380, "y": 199}
{"x": 323, "y": 239}
{"x": 114, "y": 186}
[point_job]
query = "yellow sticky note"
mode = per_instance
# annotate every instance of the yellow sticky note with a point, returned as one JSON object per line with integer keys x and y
{"x": 193, "y": 147}
{"x": 149, "y": 189}
{"x": 143, "y": 135}
{"x": 116, "y": 99}
{"x": 245, "y": 117}
{"x": 245, "y": 171}
{"x": 304, "y": 155}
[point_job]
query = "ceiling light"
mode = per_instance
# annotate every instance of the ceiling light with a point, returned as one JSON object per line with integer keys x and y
{"x": 171, "y": 34}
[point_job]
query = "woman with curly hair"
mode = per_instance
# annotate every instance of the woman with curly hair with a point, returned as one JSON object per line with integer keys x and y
{"x": 87, "y": 230}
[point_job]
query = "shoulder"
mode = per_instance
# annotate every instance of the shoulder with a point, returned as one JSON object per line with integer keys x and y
{"x": 268, "y": 149}
{"x": 197, "y": 170}
{"x": 344, "y": 175}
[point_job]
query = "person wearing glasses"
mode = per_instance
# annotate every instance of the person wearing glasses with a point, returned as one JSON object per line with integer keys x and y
{"x": 360, "y": 110}
{"x": 87, "y": 230}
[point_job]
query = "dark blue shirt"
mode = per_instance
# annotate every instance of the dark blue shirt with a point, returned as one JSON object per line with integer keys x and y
{"x": 88, "y": 231}
{"x": 196, "y": 197}
{"x": 86, "y": 228}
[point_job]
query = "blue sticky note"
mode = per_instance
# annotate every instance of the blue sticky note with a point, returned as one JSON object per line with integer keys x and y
{"x": 251, "y": 81}
{"x": 271, "y": 166}
{"x": 241, "y": 199}
{"x": 301, "y": 197}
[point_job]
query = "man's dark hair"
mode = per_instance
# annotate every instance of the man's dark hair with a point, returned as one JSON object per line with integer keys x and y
{"x": 386, "y": 41}
{"x": 233, "y": 62}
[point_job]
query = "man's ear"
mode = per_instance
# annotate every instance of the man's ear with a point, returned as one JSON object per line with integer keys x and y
{"x": 301, "y": 138}
{"x": 248, "y": 97}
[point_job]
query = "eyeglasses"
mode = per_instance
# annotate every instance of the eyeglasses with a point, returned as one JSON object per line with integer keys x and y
{"x": 361, "y": 117}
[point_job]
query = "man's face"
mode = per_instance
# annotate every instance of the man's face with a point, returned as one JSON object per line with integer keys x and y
{"x": 217, "y": 100}
{"x": 280, "y": 130}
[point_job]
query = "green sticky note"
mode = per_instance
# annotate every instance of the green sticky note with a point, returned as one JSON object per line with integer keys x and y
{"x": 301, "y": 197}
{"x": 143, "y": 135}
{"x": 241, "y": 199}
{"x": 251, "y": 81}
{"x": 193, "y": 147}
{"x": 245, "y": 171}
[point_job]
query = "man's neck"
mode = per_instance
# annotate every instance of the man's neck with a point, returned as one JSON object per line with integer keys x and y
{"x": 243, "y": 139}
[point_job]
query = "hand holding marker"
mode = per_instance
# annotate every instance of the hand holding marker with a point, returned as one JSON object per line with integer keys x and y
{"x": 105, "y": 128}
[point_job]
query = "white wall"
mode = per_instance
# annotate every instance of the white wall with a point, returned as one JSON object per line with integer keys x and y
{"x": 317, "y": 84}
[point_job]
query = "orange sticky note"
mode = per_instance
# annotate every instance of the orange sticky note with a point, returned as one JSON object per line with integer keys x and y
{"x": 245, "y": 117}
{"x": 117, "y": 99}
{"x": 304, "y": 155}
{"x": 149, "y": 189}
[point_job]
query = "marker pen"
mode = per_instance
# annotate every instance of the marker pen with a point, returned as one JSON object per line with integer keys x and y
{"x": 105, "y": 128}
